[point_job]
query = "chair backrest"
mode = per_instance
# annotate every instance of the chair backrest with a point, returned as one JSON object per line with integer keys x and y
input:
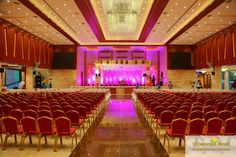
{"x": 1, "y": 126}
{"x": 230, "y": 126}
{"x": 214, "y": 126}
{"x": 197, "y": 108}
{"x": 197, "y": 104}
{"x": 210, "y": 115}
{"x": 17, "y": 113}
{"x": 82, "y": 111}
{"x": 196, "y": 126}
{"x": 178, "y": 126}
{"x": 29, "y": 125}
{"x": 44, "y": 107}
{"x": 230, "y": 106}
{"x": 87, "y": 105}
{"x": 166, "y": 116}
{"x": 23, "y": 105}
{"x": 45, "y": 125}
{"x": 181, "y": 114}
{"x": 56, "y": 107}
{"x": 63, "y": 125}
{"x": 208, "y": 109}
{"x": 32, "y": 107}
{"x": 159, "y": 110}
{"x": 10, "y": 125}
{"x": 30, "y": 113}
{"x": 153, "y": 105}
{"x": 46, "y": 113}
{"x": 58, "y": 113}
{"x": 196, "y": 114}
{"x": 234, "y": 111}
{"x": 75, "y": 104}
{"x": 225, "y": 114}
{"x": 185, "y": 107}
{"x": 7, "y": 110}
{"x": 172, "y": 108}
{"x": 67, "y": 108}
{"x": 44, "y": 103}
{"x": 220, "y": 106}
{"x": 73, "y": 116}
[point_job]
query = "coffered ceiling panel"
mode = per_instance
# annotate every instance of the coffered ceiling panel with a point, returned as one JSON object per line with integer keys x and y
{"x": 16, "y": 13}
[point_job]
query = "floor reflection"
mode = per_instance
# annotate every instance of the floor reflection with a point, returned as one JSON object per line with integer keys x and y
{"x": 119, "y": 134}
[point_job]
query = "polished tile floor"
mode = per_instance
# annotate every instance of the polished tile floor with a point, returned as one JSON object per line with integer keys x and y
{"x": 120, "y": 134}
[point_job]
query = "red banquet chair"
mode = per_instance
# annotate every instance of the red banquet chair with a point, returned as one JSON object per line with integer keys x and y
{"x": 7, "y": 110}
{"x": 83, "y": 113}
{"x": 210, "y": 115}
{"x": 67, "y": 108}
{"x": 230, "y": 126}
{"x": 165, "y": 120}
{"x": 58, "y": 113}
{"x": 56, "y": 107}
{"x": 17, "y": 113}
{"x": 196, "y": 114}
{"x": 11, "y": 126}
{"x": 45, "y": 125}
{"x": 74, "y": 117}
{"x": 196, "y": 127}
{"x": 225, "y": 114}
{"x": 23, "y": 105}
{"x": 234, "y": 111}
{"x": 220, "y": 106}
{"x": 177, "y": 129}
{"x": 31, "y": 113}
{"x": 46, "y": 113}
{"x": 208, "y": 109}
{"x": 1, "y": 129}
{"x": 63, "y": 128}
{"x": 181, "y": 114}
{"x": 214, "y": 126}
{"x": 30, "y": 127}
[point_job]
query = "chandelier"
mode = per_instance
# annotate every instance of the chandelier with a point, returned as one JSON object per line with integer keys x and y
{"x": 121, "y": 10}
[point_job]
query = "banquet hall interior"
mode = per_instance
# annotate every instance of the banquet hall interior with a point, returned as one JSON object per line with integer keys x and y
{"x": 116, "y": 78}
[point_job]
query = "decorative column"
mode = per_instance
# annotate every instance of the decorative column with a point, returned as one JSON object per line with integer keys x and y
{"x": 226, "y": 73}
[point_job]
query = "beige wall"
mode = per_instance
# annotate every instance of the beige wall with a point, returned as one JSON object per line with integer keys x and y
{"x": 216, "y": 79}
{"x": 181, "y": 78}
{"x": 63, "y": 78}
{"x": 29, "y": 78}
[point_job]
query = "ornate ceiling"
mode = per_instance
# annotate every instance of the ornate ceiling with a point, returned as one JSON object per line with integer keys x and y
{"x": 120, "y": 22}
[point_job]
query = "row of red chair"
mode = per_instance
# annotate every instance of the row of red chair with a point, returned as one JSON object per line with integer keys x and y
{"x": 42, "y": 126}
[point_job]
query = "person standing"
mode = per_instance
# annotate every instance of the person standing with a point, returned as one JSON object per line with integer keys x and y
{"x": 153, "y": 80}
{"x": 198, "y": 84}
{"x": 233, "y": 87}
{"x": 170, "y": 85}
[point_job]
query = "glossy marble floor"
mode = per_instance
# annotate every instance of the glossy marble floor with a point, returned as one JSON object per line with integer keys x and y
{"x": 120, "y": 134}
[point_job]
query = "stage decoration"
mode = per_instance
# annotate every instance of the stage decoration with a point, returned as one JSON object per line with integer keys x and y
{"x": 130, "y": 62}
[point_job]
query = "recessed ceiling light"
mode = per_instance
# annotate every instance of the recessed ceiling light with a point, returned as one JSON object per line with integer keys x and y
{"x": 218, "y": 12}
{"x": 185, "y": 7}
{"x": 57, "y": 8}
{"x": 69, "y": 10}
{"x": 227, "y": 7}
{"x": 10, "y": 19}
{"x": 176, "y": 3}
{"x": 220, "y": 20}
{"x": 222, "y": 26}
{"x": 9, "y": 11}
{"x": 0, "y": 14}
{"x": 199, "y": 3}
{"x": 64, "y": 4}
{"x": 229, "y": 22}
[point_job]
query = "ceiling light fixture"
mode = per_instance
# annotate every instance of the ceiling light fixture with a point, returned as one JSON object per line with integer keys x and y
{"x": 121, "y": 10}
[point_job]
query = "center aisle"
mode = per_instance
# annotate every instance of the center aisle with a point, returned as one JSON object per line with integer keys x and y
{"x": 120, "y": 134}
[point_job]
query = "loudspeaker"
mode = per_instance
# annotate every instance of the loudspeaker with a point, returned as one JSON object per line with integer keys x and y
{"x": 38, "y": 81}
{"x": 144, "y": 75}
{"x": 1, "y": 70}
{"x": 34, "y": 72}
{"x": 213, "y": 73}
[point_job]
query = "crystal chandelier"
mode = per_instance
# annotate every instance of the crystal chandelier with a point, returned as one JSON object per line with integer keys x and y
{"x": 121, "y": 10}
